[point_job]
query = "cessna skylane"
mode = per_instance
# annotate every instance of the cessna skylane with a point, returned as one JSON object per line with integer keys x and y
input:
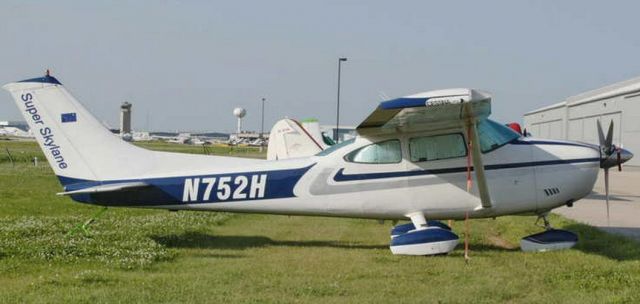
{"x": 425, "y": 157}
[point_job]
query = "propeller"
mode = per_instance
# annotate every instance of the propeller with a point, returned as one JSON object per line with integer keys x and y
{"x": 606, "y": 145}
{"x": 607, "y": 158}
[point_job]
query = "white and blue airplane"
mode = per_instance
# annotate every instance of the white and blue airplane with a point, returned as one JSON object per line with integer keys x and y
{"x": 413, "y": 159}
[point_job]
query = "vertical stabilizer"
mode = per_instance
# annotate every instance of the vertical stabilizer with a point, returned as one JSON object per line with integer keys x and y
{"x": 289, "y": 139}
{"x": 74, "y": 142}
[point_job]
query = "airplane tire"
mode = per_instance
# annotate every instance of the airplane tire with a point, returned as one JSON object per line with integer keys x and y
{"x": 552, "y": 239}
{"x": 426, "y": 241}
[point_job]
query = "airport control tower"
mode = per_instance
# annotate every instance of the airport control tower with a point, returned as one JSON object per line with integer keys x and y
{"x": 125, "y": 118}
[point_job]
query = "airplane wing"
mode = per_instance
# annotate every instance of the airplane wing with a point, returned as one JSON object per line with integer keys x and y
{"x": 436, "y": 110}
{"x": 429, "y": 108}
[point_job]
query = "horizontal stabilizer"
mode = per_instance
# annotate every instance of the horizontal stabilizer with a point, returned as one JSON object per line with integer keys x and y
{"x": 107, "y": 188}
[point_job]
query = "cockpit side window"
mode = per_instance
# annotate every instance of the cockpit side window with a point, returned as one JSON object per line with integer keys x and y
{"x": 436, "y": 147}
{"x": 385, "y": 152}
{"x": 494, "y": 135}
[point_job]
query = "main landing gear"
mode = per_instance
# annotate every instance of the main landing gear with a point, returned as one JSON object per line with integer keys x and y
{"x": 422, "y": 237}
{"x": 550, "y": 239}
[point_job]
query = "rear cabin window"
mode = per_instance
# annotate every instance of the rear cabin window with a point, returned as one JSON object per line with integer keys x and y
{"x": 385, "y": 152}
{"x": 428, "y": 148}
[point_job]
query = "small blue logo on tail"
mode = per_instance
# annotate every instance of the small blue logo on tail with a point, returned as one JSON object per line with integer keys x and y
{"x": 69, "y": 117}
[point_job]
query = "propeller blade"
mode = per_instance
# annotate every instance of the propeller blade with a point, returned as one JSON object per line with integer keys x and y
{"x": 606, "y": 191}
{"x": 600, "y": 134}
{"x": 609, "y": 139}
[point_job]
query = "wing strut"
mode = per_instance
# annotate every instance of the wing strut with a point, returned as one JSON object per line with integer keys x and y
{"x": 478, "y": 166}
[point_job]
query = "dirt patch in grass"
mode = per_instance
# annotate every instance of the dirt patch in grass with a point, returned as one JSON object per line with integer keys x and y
{"x": 501, "y": 243}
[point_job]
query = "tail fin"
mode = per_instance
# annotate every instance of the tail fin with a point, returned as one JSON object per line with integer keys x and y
{"x": 75, "y": 143}
{"x": 289, "y": 139}
{"x": 313, "y": 128}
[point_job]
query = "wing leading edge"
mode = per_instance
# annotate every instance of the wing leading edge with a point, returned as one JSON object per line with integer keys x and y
{"x": 429, "y": 108}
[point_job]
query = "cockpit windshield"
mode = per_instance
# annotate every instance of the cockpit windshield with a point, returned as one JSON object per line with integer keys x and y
{"x": 494, "y": 135}
{"x": 335, "y": 147}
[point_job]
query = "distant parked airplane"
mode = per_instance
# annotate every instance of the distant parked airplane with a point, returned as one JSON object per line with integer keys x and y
{"x": 15, "y": 132}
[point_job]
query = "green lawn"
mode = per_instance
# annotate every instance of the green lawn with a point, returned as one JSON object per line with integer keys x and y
{"x": 135, "y": 255}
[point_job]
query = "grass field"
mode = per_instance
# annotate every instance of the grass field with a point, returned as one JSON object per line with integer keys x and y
{"x": 135, "y": 255}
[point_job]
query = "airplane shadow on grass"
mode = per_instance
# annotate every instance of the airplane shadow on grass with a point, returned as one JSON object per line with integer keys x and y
{"x": 239, "y": 242}
{"x": 592, "y": 240}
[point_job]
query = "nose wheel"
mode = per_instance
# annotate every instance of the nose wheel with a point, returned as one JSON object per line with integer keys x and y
{"x": 548, "y": 240}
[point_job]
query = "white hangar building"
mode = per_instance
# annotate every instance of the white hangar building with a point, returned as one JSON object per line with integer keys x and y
{"x": 575, "y": 118}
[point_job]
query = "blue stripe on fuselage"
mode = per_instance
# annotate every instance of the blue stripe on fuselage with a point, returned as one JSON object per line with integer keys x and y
{"x": 171, "y": 190}
{"x": 341, "y": 177}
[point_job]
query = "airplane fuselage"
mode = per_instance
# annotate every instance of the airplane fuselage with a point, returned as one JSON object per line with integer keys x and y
{"x": 524, "y": 176}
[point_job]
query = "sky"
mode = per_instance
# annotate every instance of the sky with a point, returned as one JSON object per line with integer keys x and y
{"x": 185, "y": 65}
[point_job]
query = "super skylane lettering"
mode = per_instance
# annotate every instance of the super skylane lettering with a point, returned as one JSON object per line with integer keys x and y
{"x": 224, "y": 188}
{"x": 45, "y": 132}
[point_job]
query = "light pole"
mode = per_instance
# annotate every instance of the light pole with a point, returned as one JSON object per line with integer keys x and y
{"x": 340, "y": 60}
{"x": 262, "y": 125}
